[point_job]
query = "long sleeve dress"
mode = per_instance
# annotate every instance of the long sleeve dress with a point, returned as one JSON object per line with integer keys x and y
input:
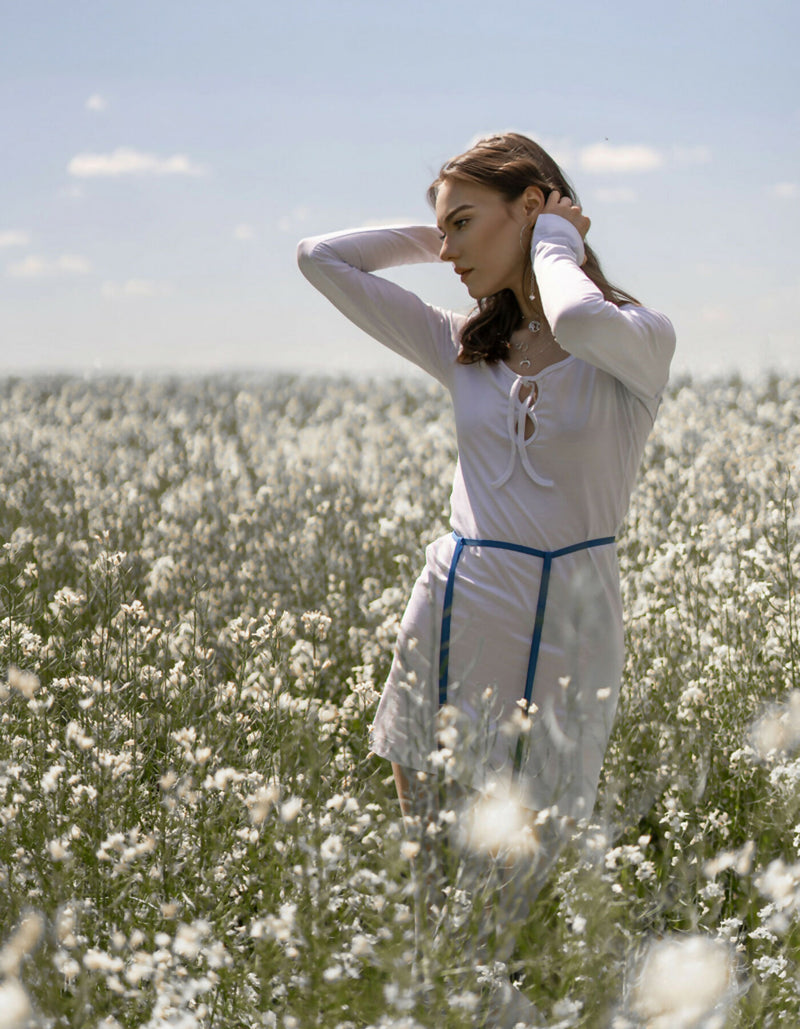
{"x": 542, "y": 474}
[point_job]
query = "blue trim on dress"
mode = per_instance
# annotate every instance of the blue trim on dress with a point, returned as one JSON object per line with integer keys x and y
{"x": 547, "y": 557}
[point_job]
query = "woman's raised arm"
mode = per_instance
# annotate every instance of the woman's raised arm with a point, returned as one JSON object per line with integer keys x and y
{"x": 632, "y": 343}
{"x": 341, "y": 267}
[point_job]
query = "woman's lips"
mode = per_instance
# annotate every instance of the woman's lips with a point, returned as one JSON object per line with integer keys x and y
{"x": 462, "y": 272}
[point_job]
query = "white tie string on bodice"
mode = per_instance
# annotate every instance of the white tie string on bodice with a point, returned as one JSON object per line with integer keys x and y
{"x": 520, "y": 411}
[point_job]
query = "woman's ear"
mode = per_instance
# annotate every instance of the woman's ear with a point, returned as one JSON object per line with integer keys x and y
{"x": 533, "y": 202}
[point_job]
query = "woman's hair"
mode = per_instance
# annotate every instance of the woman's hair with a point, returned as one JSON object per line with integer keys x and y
{"x": 508, "y": 164}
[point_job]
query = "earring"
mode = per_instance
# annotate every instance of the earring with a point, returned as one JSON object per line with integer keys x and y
{"x": 522, "y": 231}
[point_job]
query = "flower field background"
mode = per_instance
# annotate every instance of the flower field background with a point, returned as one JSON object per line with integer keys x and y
{"x": 200, "y": 584}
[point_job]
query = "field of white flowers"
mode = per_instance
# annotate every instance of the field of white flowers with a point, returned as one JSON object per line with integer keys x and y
{"x": 200, "y": 583}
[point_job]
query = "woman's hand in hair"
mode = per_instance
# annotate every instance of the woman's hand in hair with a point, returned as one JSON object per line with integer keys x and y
{"x": 556, "y": 204}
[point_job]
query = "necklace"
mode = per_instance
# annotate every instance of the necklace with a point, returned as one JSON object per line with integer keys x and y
{"x": 521, "y": 345}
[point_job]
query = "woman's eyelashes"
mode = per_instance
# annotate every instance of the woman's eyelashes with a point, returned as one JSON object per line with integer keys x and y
{"x": 456, "y": 225}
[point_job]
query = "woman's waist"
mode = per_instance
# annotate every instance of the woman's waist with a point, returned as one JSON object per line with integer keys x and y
{"x": 558, "y": 532}
{"x": 493, "y": 556}
{"x": 492, "y": 569}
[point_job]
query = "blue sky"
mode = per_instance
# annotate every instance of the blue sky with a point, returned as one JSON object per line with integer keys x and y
{"x": 161, "y": 160}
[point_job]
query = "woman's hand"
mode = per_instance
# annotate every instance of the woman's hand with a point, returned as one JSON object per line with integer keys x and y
{"x": 556, "y": 204}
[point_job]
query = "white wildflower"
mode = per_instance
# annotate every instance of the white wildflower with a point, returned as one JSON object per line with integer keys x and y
{"x": 683, "y": 980}
{"x": 26, "y": 683}
{"x": 778, "y": 729}
{"x": 189, "y": 939}
{"x": 333, "y": 973}
{"x": 520, "y": 722}
{"x": 361, "y": 946}
{"x": 15, "y": 1007}
{"x": 222, "y": 778}
{"x": 66, "y": 965}
{"x": 447, "y": 737}
{"x": 57, "y": 850}
{"x": 66, "y": 599}
{"x": 51, "y": 777}
{"x": 772, "y": 967}
{"x": 316, "y": 624}
{"x": 142, "y": 967}
{"x": 280, "y": 927}
{"x": 75, "y": 734}
{"x": 291, "y": 809}
{"x": 497, "y": 822}
{"x": 98, "y": 961}
{"x": 22, "y": 942}
{"x": 780, "y": 883}
{"x": 260, "y": 803}
{"x": 741, "y": 861}
{"x": 332, "y": 849}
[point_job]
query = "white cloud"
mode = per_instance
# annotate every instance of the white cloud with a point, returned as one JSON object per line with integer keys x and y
{"x": 127, "y": 161}
{"x": 786, "y": 190}
{"x": 604, "y": 157}
{"x": 14, "y": 238}
{"x": 32, "y": 267}
{"x": 133, "y": 289}
{"x": 96, "y": 102}
{"x": 73, "y": 264}
{"x": 244, "y": 232}
{"x": 616, "y": 195}
{"x": 627, "y": 157}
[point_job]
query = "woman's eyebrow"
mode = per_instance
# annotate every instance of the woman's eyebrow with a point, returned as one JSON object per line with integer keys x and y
{"x": 456, "y": 210}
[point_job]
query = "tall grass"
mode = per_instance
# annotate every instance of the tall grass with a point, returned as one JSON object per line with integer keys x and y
{"x": 200, "y": 583}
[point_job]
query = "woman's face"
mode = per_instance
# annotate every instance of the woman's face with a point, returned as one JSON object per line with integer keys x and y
{"x": 484, "y": 235}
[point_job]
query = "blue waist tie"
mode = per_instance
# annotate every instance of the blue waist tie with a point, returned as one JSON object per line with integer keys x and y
{"x": 547, "y": 557}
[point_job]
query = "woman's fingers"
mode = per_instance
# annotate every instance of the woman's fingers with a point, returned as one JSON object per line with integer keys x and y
{"x": 567, "y": 208}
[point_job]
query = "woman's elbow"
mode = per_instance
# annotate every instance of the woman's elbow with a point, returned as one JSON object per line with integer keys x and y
{"x": 305, "y": 249}
{"x": 311, "y": 259}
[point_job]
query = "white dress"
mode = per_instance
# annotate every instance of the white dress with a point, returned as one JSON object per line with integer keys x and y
{"x": 568, "y": 482}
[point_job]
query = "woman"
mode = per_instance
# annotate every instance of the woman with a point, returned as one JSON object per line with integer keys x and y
{"x": 555, "y": 379}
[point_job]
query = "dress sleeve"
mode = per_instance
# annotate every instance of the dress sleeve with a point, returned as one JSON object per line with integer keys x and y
{"x": 340, "y": 266}
{"x": 632, "y": 343}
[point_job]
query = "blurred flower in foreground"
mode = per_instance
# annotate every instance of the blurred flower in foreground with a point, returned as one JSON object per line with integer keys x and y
{"x": 780, "y": 883}
{"x": 685, "y": 982}
{"x": 26, "y": 683}
{"x": 778, "y": 729}
{"x": 291, "y": 809}
{"x": 497, "y": 822}
{"x": 741, "y": 861}
{"x": 260, "y": 803}
{"x": 15, "y": 1008}
{"x": 22, "y": 942}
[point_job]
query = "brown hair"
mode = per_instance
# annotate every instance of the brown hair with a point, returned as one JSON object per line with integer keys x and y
{"x": 508, "y": 164}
